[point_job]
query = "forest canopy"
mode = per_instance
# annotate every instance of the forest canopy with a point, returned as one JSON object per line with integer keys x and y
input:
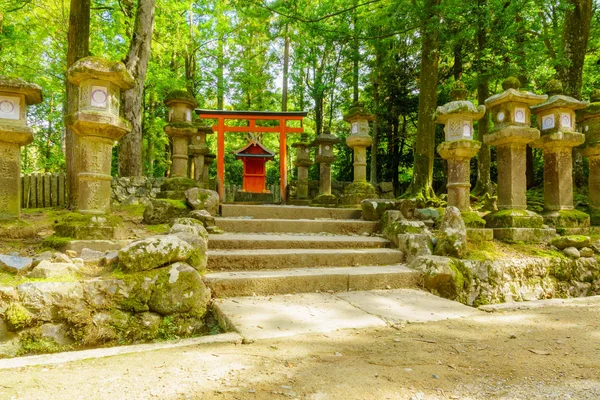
{"x": 313, "y": 55}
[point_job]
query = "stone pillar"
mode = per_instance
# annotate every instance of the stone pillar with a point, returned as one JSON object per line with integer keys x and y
{"x": 589, "y": 121}
{"x": 324, "y": 144}
{"x": 556, "y": 120}
{"x": 180, "y": 129}
{"x": 208, "y": 160}
{"x": 512, "y": 133}
{"x": 359, "y": 140}
{"x": 198, "y": 149}
{"x": 98, "y": 125}
{"x": 15, "y": 96}
{"x": 303, "y": 162}
{"x": 459, "y": 147}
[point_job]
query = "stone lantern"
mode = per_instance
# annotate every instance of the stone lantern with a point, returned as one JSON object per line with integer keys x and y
{"x": 15, "y": 96}
{"x": 359, "y": 140}
{"x": 459, "y": 147}
{"x": 512, "y": 132}
{"x": 303, "y": 162}
{"x": 180, "y": 129}
{"x": 324, "y": 144}
{"x": 556, "y": 120}
{"x": 208, "y": 160}
{"x": 198, "y": 150}
{"x": 98, "y": 125}
{"x": 589, "y": 123}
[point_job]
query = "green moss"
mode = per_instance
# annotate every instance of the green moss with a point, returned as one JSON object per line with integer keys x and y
{"x": 179, "y": 204}
{"x": 56, "y": 242}
{"x": 161, "y": 228}
{"x": 178, "y": 184}
{"x": 17, "y": 317}
{"x": 131, "y": 210}
{"x": 33, "y": 343}
{"x": 483, "y": 251}
{"x": 167, "y": 329}
{"x": 473, "y": 220}
{"x": 85, "y": 226}
{"x": 180, "y": 94}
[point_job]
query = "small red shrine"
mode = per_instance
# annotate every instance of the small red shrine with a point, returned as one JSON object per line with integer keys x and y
{"x": 254, "y": 156}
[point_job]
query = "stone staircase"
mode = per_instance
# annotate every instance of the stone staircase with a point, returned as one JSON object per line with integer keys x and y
{"x": 293, "y": 249}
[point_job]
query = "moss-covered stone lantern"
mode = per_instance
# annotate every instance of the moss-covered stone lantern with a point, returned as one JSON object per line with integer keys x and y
{"x": 303, "y": 162}
{"x": 325, "y": 156}
{"x": 180, "y": 129}
{"x": 459, "y": 147}
{"x": 198, "y": 150}
{"x": 208, "y": 160}
{"x": 588, "y": 120}
{"x": 359, "y": 139}
{"x": 512, "y": 133}
{"x": 15, "y": 96}
{"x": 556, "y": 121}
{"x": 98, "y": 125}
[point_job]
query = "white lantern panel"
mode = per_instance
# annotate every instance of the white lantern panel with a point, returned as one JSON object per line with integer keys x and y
{"x": 99, "y": 97}
{"x": 327, "y": 147}
{"x": 587, "y": 128}
{"x": 500, "y": 116}
{"x": 454, "y": 129}
{"x": 10, "y": 107}
{"x": 565, "y": 120}
{"x": 355, "y": 127}
{"x": 306, "y": 150}
{"x": 548, "y": 122}
{"x": 520, "y": 114}
{"x": 188, "y": 115}
{"x": 170, "y": 115}
{"x": 466, "y": 129}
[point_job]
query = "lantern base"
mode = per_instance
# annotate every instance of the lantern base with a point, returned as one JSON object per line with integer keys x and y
{"x": 356, "y": 192}
{"x": 324, "y": 200}
{"x": 89, "y": 227}
{"x": 527, "y": 235}
{"x": 513, "y": 219}
{"x": 571, "y": 221}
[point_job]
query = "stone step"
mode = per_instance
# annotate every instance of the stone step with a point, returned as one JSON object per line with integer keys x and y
{"x": 307, "y": 280}
{"x": 255, "y": 225}
{"x": 229, "y": 260}
{"x": 265, "y": 211}
{"x": 288, "y": 241}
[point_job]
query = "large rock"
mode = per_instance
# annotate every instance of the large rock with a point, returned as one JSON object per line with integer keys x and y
{"x": 203, "y": 216}
{"x": 441, "y": 275}
{"x": 15, "y": 264}
{"x": 155, "y": 252}
{"x": 180, "y": 289}
{"x": 164, "y": 211}
{"x": 415, "y": 245}
{"x": 203, "y": 199}
{"x": 200, "y": 260}
{"x": 189, "y": 225}
{"x": 56, "y": 333}
{"x": 18, "y": 317}
{"x": 572, "y": 252}
{"x": 452, "y": 240}
{"x": 577, "y": 241}
{"x": 389, "y": 217}
{"x": 8, "y": 295}
{"x": 131, "y": 293}
{"x": 46, "y": 300}
{"x": 401, "y": 227}
{"x": 426, "y": 214}
{"x": 373, "y": 209}
{"x": 46, "y": 270}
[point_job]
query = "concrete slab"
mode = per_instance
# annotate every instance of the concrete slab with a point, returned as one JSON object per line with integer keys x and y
{"x": 308, "y": 280}
{"x": 407, "y": 305}
{"x": 291, "y": 241}
{"x": 289, "y": 315}
{"x": 300, "y": 258}
{"x": 288, "y": 212}
{"x": 335, "y": 226}
{"x": 528, "y": 305}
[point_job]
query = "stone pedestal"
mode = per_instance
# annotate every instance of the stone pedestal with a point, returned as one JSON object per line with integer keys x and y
{"x": 324, "y": 143}
{"x": 15, "y": 95}
{"x": 511, "y": 114}
{"x": 98, "y": 125}
{"x": 198, "y": 149}
{"x": 303, "y": 162}
{"x": 459, "y": 154}
{"x": 358, "y": 141}
{"x": 556, "y": 120}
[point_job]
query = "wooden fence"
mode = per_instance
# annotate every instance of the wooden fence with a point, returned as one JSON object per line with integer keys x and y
{"x": 43, "y": 190}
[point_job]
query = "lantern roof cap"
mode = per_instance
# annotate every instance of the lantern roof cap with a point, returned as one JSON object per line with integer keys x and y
{"x": 457, "y": 108}
{"x": 559, "y": 100}
{"x": 593, "y": 109}
{"x": 514, "y": 95}
{"x": 180, "y": 96}
{"x": 358, "y": 111}
{"x": 266, "y": 152}
{"x": 31, "y": 91}
{"x": 99, "y": 68}
{"x": 326, "y": 137}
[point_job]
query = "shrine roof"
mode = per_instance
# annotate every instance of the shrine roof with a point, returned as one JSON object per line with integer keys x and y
{"x": 267, "y": 153}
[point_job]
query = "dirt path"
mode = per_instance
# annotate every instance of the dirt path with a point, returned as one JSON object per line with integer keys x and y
{"x": 545, "y": 353}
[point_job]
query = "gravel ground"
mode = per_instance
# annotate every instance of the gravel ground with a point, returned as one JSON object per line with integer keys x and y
{"x": 549, "y": 352}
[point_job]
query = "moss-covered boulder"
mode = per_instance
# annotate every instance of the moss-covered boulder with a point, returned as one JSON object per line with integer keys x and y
{"x": 373, "y": 209}
{"x": 180, "y": 289}
{"x": 177, "y": 184}
{"x": 401, "y": 227}
{"x": 47, "y": 300}
{"x": 415, "y": 245}
{"x": 203, "y": 199}
{"x": 164, "y": 211}
{"x": 576, "y": 241}
{"x": 452, "y": 239}
{"x": 190, "y": 225}
{"x": 204, "y": 217}
{"x": 443, "y": 276}
{"x": 389, "y": 217}
{"x": 17, "y": 317}
{"x": 154, "y": 252}
{"x": 200, "y": 259}
{"x": 88, "y": 227}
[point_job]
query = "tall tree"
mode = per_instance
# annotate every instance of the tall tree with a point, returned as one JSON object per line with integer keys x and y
{"x": 421, "y": 186}
{"x": 576, "y": 33}
{"x": 130, "y": 146}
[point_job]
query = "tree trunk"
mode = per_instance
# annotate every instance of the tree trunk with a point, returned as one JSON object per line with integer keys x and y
{"x": 286, "y": 66}
{"x": 375, "y": 144}
{"x": 78, "y": 47}
{"x": 355, "y": 55}
{"x": 130, "y": 146}
{"x": 576, "y": 33}
{"x": 484, "y": 158}
{"x": 421, "y": 185}
{"x": 220, "y": 73}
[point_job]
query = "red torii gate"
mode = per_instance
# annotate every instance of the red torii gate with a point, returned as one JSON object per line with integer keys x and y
{"x": 252, "y": 117}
